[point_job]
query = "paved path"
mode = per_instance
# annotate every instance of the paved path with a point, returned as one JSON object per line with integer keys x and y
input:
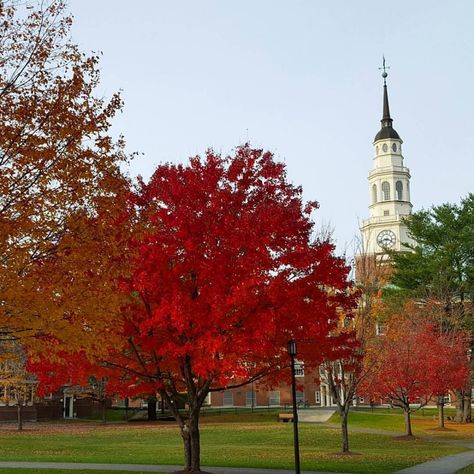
{"x": 317, "y": 415}
{"x": 145, "y": 468}
{"x": 445, "y": 465}
{"x": 361, "y": 429}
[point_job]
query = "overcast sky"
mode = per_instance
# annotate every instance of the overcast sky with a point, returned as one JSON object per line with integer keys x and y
{"x": 299, "y": 78}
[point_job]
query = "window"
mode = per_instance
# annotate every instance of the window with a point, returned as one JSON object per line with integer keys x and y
{"x": 274, "y": 398}
{"x": 385, "y": 191}
{"x": 317, "y": 396}
{"x": 299, "y": 369}
{"x": 250, "y": 399}
{"x": 399, "y": 190}
{"x": 394, "y": 147}
{"x": 361, "y": 400}
{"x": 386, "y": 213}
{"x": 228, "y": 398}
{"x": 299, "y": 397}
{"x": 374, "y": 193}
{"x": 380, "y": 329}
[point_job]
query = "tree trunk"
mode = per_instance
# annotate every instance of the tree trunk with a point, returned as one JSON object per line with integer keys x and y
{"x": 459, "y": 406}
{"x": 467, "y": 413}
{"x": 152, "y": 408}
{"x": 189, "y": 427}
{"x": 192, "y": 443}
{"x": 345, "y": 434}
{"x": 104, "y": 410}
{"x": 184, "y": 429}
{"x": 20, "y": 416}
{"x": 187, "y": 447}
{"x": 406, "y": 412}
{"x": 195, "y": 442}
{"x": 441, "y": 412}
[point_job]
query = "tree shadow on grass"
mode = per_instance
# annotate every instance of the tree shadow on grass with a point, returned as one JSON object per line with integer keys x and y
{"x": 440, "y": 429}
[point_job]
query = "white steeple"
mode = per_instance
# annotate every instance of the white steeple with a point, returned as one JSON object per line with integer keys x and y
{"x": 389, "y": 190}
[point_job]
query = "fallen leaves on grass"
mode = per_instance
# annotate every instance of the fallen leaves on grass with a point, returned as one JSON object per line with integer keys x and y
{"x": 41, "y": 428}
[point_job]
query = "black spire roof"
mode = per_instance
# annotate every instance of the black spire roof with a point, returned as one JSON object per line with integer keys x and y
{"x": 387, "y": 131}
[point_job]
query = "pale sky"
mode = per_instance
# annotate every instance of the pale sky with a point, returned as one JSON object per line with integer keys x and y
{"x": 299, "y": 78}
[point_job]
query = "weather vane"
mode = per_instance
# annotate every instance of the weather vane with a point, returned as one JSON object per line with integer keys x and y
{"x": 384, "y": 74}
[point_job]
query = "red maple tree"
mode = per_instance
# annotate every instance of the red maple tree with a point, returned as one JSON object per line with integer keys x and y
{"x": 451, "y": 375}
{"x": 225, "y": 273}
{"x": 415, "y": 364}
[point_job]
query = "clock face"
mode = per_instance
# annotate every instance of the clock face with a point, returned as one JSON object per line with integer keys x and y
{"x": 386, "y": 239}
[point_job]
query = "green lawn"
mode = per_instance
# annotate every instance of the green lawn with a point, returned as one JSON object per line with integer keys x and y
{"x": 244, "y": 439}
{"x": 378, "y": 420}
{"x": 424, "y": 423}
{"x": 466, "y": 470}
{"x": 67, "y": 471}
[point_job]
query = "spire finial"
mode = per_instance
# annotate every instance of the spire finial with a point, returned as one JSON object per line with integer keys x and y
{"x": 387, "y": 130}
{"x": 384, "y": 68}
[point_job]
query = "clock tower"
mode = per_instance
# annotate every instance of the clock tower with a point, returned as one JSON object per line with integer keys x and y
{"x": 389, "y": 189}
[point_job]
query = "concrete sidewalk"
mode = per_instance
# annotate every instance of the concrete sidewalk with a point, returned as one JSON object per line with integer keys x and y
{"x": 445, "y": 465}
{"x": 145, "y": 468}
{"x": 315, "y": 415}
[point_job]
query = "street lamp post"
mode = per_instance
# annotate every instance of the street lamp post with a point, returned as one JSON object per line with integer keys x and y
{"x": 292, "y": 353}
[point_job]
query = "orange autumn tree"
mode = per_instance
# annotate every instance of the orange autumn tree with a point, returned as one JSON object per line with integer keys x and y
{"x": 59, "y": 171}
{"x": 17, "y": 385}
{"x": 350, "y": 360}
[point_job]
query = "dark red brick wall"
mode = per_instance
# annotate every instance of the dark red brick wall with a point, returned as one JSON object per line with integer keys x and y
{"x": 11, "y": 414}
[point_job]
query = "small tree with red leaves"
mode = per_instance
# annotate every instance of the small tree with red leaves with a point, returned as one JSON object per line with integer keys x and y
{"x": 415, "y": 363}
{"x": 452, "y": 374}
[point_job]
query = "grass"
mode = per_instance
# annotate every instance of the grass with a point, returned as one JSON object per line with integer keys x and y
{"x": 424, "y": 423}
{"x": 120, "y": 414}
{"x": 466, "y": 470}
{"x": 237, "y": 440}
{"x": 67, "y": 471}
